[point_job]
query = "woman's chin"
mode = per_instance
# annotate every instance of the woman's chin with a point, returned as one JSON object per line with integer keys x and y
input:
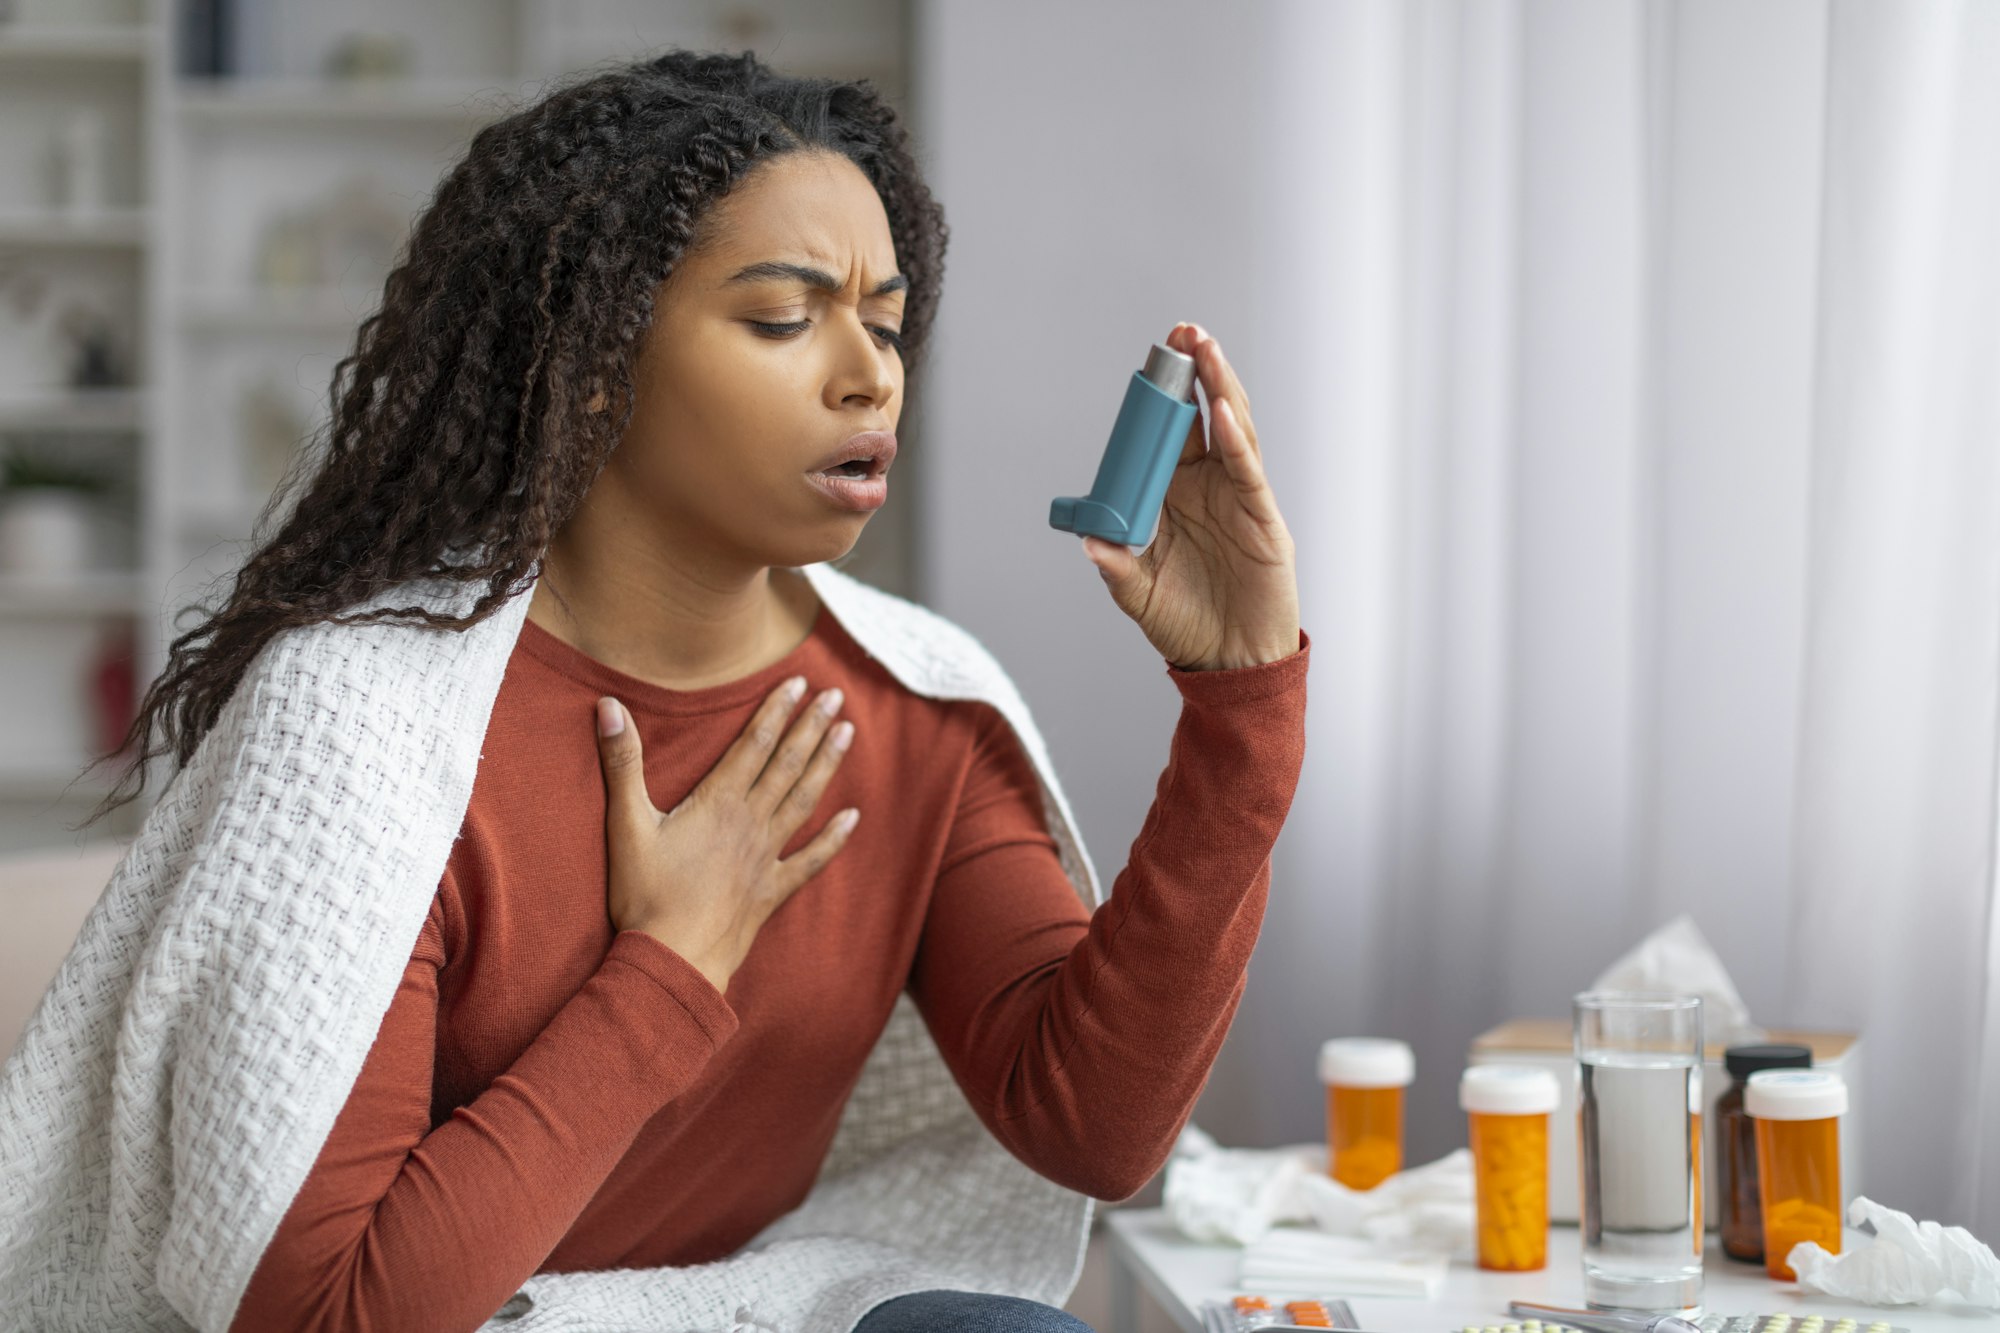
{"x": 829, "y": 539}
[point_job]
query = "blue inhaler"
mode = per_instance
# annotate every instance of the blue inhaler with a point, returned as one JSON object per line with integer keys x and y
{"x": 1124, "y": 502}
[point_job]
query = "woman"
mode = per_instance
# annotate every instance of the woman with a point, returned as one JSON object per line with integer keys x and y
{"x": 635, "y": 340}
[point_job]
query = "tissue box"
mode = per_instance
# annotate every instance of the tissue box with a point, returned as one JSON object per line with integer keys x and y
{"x": 1547, "y": 1042}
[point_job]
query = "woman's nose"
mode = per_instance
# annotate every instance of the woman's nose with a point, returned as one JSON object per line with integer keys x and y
{"x": 864, "y": 364}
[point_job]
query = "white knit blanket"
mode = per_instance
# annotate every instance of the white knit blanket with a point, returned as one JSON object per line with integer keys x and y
{"x": 176, "y": 1082}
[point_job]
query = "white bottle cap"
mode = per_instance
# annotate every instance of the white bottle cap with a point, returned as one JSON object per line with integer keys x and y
{"x": 1508, "y": 1090}
{"x": 1367, "y": 1062}
{"x": 1795, "y": 1094}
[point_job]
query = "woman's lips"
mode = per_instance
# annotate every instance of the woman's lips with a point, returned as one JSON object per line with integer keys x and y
{"x": 857, "y": 493}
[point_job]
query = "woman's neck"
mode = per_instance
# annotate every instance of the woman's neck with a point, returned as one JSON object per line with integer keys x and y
{"x": 670, "y": 630}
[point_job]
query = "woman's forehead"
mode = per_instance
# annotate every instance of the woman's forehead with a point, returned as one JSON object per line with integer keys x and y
{"x": 821, "y": 213}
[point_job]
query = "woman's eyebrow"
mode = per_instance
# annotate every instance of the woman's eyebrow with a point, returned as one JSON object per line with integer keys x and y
{"x": 772, "y": 270}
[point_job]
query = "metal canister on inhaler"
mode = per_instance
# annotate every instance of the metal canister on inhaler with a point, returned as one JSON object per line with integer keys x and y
{"x": 1124, "y": 502}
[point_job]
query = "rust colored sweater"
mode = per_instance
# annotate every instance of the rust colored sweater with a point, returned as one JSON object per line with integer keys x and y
{"x": 546, "y": 1094}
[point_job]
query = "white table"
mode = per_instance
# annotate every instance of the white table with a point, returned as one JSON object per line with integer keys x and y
{"x": 1181, "y": 1274}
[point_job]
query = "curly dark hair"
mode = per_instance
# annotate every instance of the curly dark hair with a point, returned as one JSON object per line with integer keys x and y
{"x": 463, "y": 418}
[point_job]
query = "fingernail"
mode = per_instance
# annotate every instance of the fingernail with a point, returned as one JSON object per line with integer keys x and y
{"x": 843, "y": 735}
{"x": 795, "y": 688}
{"x": 848, "y": 818}
{"x": 610, "y": 717}
{"x": 829, "y": 702}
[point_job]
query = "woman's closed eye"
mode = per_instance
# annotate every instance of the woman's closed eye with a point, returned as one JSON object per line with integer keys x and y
{"x": 890, "y": 336}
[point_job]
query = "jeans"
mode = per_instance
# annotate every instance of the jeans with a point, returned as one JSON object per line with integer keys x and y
{"x": 967, "y": 1312}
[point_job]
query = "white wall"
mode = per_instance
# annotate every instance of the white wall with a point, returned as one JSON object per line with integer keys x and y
{"x": 1093, "y": 162}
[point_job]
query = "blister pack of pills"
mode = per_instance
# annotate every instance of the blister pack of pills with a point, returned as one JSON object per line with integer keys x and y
{"x": 1718, "y": 1323}
{"x": 1793, "y": 1323}
{"x": 1267, "y": 1314}
{"x": 1245, "y": 1313}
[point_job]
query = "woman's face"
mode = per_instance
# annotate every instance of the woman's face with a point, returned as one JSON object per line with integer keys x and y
{"x": 772, "y": 344}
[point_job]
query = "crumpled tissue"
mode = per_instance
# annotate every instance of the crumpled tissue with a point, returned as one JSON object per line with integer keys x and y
{"x": 1426, "y": 1209}
{"x": 1235, "y": 1195}
{"x": 1907, "y": 1263}
{"x": 1677, "y": 957}
{"x": 1393, "y": 1240}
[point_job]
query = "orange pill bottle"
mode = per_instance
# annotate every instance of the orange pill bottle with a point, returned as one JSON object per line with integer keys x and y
{"x": 1507, "y": 1110}
{"x": 1798, "y": 1159}
{"x": 1365, "y": 1078}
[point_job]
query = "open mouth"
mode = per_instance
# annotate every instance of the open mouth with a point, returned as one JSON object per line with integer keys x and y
{"x": 860, "y": 484}
{"x": 858, "y": 469}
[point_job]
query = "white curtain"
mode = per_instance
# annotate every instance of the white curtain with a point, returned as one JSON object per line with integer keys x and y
{"x": 1641, "y": 364}
{"x": 1895, "y": 821}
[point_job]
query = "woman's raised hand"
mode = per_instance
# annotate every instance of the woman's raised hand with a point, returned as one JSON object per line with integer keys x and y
{"x": 1218, "y": 587}
{"x": 704, "y": 877}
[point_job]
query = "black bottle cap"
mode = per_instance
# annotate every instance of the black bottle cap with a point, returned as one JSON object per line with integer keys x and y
{"x": 1743, "y": 1061}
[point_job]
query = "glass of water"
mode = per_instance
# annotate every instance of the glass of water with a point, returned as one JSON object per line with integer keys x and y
{"x": 1639, "y": 1134}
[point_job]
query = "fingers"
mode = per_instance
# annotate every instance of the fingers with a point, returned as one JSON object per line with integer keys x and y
{"x": 1218, "y": 378}
{"x": 747, "y": 754}
{"x": 789, "y": 762}
{"x": 812, "y": 858}
{"x": 1243, "y": 465}
{"x": 1231, "y": 434}
{"x": 803, "y": 798}
{"x": 1128, "y": 576}
{"x": 1182, "y": 340}
{"x": 625, "y": 797}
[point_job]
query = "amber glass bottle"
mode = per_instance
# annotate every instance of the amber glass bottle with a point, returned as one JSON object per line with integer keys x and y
{"x": 1742, "y": 1219}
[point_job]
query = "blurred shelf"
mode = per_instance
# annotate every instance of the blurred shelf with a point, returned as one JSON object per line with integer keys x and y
{"x": 272, "y": 310}
{"x": 101, "y": 44}
{"x": 260, "y": 103}
{"x": 73, "y": 409}
{"x": 242, "y": 151}
{"x": 103, "y": 229}
{"x": 92, "y": 593}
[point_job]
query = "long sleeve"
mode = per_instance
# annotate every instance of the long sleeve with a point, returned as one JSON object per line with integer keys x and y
{"x": 1084, "y": 1039}
{"x": 402, "y": 1226}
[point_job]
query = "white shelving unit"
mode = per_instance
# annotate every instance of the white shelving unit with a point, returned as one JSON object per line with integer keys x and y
{"x": 62, "y": 62}
{"x": 202, "y": 170}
